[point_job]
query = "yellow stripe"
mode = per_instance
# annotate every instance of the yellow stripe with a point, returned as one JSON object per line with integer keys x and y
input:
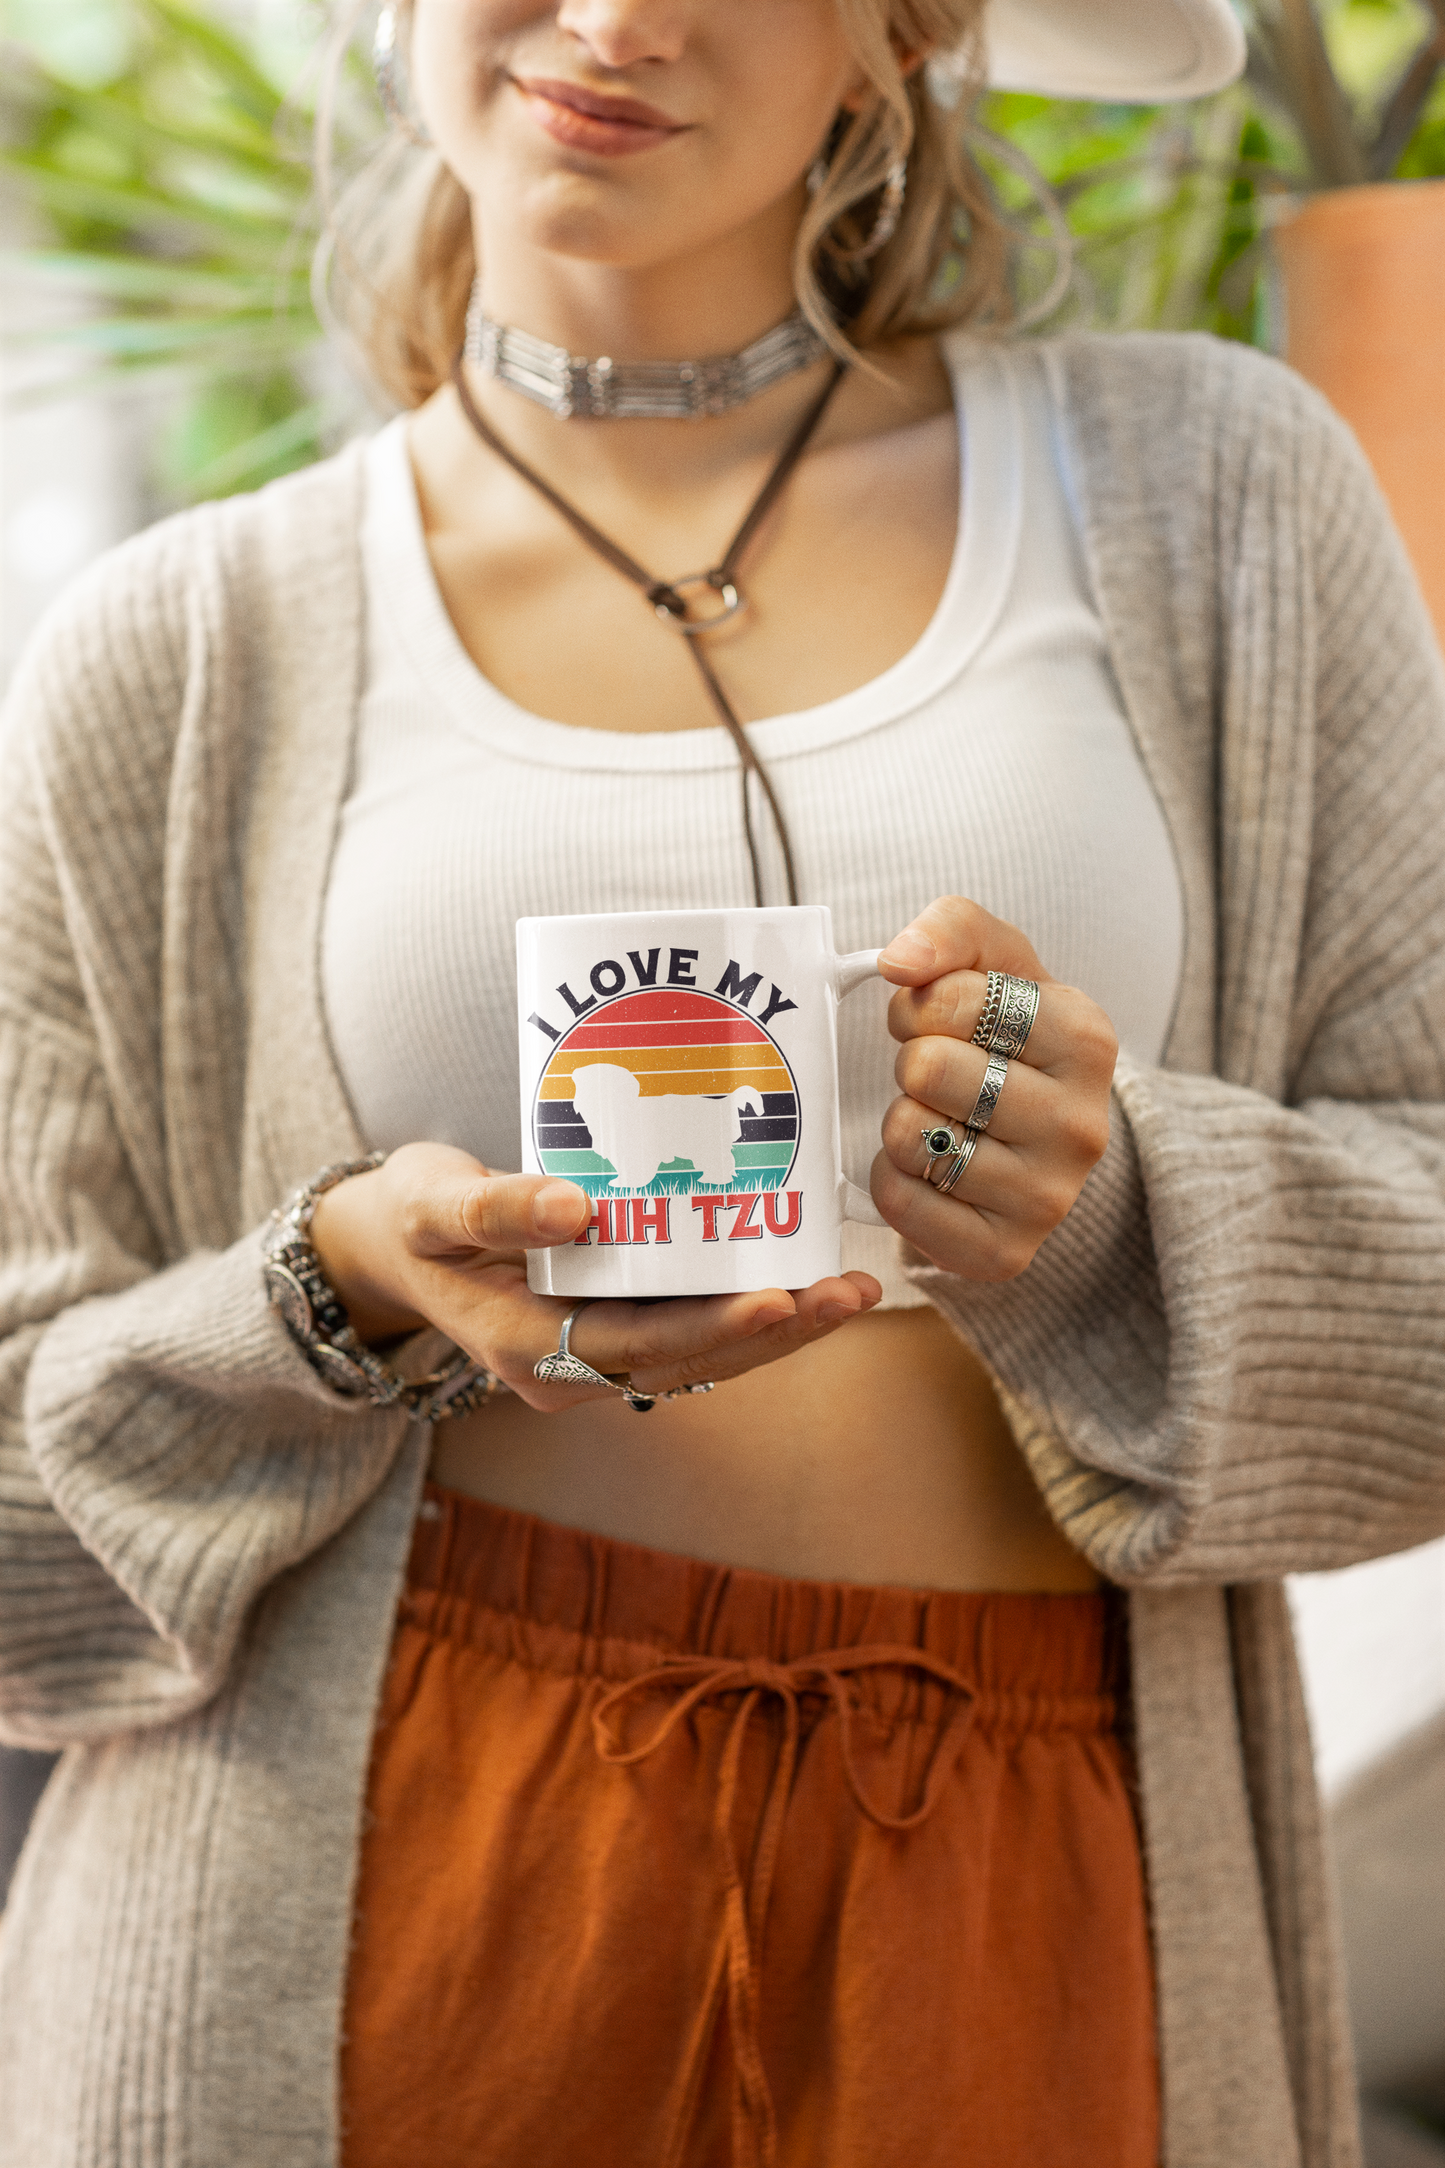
{"x": 755, "y": 1077}
{"x": 642, "y": 1058}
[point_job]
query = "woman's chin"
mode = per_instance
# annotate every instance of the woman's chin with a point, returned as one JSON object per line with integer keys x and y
{"x": 579, "y": 217}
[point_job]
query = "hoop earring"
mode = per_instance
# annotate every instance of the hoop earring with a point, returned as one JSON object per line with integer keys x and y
{"x": 890, "y": 210}
{"x": 387, "y": 65}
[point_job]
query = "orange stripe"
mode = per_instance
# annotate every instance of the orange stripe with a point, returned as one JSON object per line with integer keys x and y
{"x": 639, "y": 1059}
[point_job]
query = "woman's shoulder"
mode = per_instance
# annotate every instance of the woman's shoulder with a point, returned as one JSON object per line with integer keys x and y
{"x": 1191, "y": 378}
{"x": 1164, "y": 420}
{"x": 1163, "y": 388}
{"x": 149, "y": 581}
{"x": 1183, "y": 441}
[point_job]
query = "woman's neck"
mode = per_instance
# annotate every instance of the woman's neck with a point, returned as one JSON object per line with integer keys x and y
{"x": 715, "y": 299}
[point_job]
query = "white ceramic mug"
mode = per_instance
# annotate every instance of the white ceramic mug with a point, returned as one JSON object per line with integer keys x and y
{"x": 682, "y": 1068}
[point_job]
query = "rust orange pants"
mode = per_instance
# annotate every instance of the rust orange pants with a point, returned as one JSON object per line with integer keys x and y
{"x": 668, "y": 1863}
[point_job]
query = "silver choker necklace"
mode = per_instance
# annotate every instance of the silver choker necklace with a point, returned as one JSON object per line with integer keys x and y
{"x": 571, "y": 385}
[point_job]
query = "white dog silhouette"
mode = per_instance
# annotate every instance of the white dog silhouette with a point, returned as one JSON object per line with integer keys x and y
{"x": 640, "y": 1135}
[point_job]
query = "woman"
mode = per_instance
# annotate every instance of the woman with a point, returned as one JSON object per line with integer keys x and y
{"x": 768, "y": 1779}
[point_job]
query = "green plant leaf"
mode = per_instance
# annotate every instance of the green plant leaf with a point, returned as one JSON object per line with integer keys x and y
{"x": 142, "y": 209}
{"x": 224, "y": 54}
{"x": 226, "y": 353}
{"x": 262, "y": 452}
{"x": 159, "y": 279}
{"x": 158, "y": 334}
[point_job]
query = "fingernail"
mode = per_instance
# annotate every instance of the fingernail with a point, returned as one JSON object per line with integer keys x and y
{"x": 556, "y": 1208}
{"x": 762, "y": 1318}
{"x": 910, "y": 951}
{"x": 830, "y": 1312}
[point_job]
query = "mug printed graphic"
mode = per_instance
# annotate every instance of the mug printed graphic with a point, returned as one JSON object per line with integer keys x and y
{"x": 667, "y": 1093}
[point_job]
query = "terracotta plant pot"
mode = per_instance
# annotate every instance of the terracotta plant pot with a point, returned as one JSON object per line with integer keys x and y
{"x": 1363, "y": 273}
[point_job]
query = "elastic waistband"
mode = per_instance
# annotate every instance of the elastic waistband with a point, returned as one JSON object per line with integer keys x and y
{"x": 563, "y": 1600}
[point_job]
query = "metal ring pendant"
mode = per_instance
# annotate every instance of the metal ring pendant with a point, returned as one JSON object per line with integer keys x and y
{"x": 731, "y": 600}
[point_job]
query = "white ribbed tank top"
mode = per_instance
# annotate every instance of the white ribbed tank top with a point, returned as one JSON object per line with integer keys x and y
{"x": 993, "y": 760}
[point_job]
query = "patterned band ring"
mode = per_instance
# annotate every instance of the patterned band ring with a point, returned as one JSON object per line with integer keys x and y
{"x": 993, "y": 994}
{"x": 562, "y": 1367}
{"x": 959, "y": 1161}
{"x": 986, "y": 1104}
{"x": 1010, "y": 1006}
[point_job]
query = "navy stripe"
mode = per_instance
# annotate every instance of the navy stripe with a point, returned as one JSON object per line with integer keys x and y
{"x": 560, "y": 1128}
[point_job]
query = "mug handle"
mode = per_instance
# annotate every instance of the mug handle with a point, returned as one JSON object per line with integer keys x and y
{"x": 850, "y": 972}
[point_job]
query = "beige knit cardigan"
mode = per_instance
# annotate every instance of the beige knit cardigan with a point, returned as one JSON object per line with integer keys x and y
{"x": 1227, "y": 1363}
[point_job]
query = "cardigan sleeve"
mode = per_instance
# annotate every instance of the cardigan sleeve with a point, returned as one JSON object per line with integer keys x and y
{"x": 1228, "y": 1362}
{"x": 165, "y": 1449}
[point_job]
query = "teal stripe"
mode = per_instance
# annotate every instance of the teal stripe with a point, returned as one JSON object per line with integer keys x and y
{"x": 576, "y": 1163}
{"x": 755, "y": 1158}
{"x": 666, "y": 1185}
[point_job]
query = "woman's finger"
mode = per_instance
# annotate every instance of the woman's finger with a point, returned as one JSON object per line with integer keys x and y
{"x": 954, "y": 934}
{"x": 524, "y": 1211}
{"x": 499, "y": 1321}
{"x": 1071, "y": 1036}
{"x": 450, "y": 1205}
{"x": 689, "y": 1331}
{"x": 1019, "y": 1180}
{"x": 977, "y": 1242}
{"x": 1033, "y": 1187}
{"x": 482, "y": 1302}
{"x": 820, "y": 1310}
{"x": 944, "y": 1077}
{"x": 466, "y": 1231}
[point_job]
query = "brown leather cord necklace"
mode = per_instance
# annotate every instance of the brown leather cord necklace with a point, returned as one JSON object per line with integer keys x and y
{"x": 669, "y": 597}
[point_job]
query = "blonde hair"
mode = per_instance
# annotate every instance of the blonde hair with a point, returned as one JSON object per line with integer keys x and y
{"x": 397, "y": 263}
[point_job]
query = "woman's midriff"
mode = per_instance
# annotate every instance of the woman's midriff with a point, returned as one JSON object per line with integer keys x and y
{"x": 879, "y": 1455}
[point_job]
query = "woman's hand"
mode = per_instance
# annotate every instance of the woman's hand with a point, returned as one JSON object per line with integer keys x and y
{"x": 1052, "y": 1120}
{"x": 432, "y": 1237}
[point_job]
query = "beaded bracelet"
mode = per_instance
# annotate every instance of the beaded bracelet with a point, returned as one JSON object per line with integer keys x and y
{"x": 317, "y": 1320}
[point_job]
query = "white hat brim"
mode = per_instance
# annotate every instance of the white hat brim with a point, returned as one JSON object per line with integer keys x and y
{"x": 1135, "y": 52}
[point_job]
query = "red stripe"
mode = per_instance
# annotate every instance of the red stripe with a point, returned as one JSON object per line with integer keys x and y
{"x": 674, "y": 1005}
{"x": 723, "y": 1031}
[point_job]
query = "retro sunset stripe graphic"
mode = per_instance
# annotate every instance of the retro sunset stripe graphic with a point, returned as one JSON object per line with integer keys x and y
{"x": 664, "y": 1093}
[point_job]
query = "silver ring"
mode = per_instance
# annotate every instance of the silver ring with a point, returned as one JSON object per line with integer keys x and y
{"x": 727, "y": 594}
{"x": 563, "y": 1367}
{"x": 1010, "y": 1006}
{"x": 959, "y": 1161}
{"x": 986, "y": 1104}
{"x": 939, "y": 1141}
{"x": 988, "y": 1015}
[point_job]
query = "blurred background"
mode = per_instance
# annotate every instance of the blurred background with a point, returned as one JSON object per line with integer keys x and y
{"x": 160, "y": 344}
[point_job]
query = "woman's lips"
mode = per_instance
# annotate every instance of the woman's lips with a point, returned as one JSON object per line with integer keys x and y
{"x": 588, "y": 120}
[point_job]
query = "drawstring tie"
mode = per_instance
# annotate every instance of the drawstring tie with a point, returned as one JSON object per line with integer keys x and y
{"x": 745, "y": 1899}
